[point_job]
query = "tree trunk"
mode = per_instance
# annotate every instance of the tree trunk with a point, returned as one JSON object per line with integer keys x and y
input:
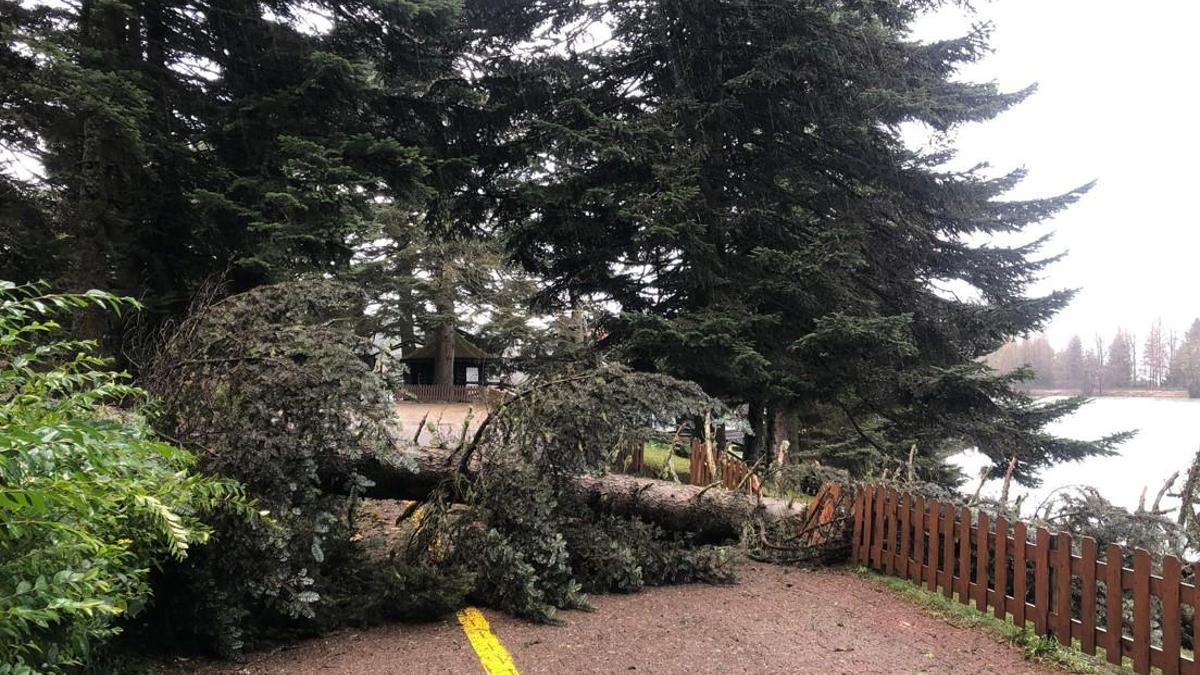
{"x": 712, "y": 514}
{"x": 757, "y": 439}
{"x": 443, "y": 361}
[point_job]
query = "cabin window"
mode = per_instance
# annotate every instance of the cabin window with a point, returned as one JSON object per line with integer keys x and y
{"x": 472, "y": 375}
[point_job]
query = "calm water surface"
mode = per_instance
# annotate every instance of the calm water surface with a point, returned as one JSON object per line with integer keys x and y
{"x": 1168, "y": 437}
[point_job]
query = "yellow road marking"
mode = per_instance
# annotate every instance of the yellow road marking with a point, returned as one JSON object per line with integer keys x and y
{"x": 492, "y": 655}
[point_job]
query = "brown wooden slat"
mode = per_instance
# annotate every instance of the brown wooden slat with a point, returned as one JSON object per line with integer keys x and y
{"x": 1196, "y": 621}
{"x": 918, "y": 537}
{"x": 1113, "y": 561}
{"x": 1172, "y": 621}
{"x": 1001, "y": 565}
{"x": 877, "y": 528}
{"x": 856, "y": 537}
{"x": 964, "y": 555}
{"x": 948, "y": 550}
{"x": 935, "y": 518}
{"x": 981, "y": 562}
{"x": 1141, "y": 611}
{"x": 889, "y": 532}
{"x": 1087, "y": 603}
{"x": 868, "y": 526}
{"x": 906, "y": 519}
{"x": 1020, "y": 574}
{"x": 1041, "y": 581}
{"x": 1062, "y": 588}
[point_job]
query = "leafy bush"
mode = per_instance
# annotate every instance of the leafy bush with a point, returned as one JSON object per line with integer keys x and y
{"x": 533, "y": 547}
{"x": 89, "y": 498}
{"x": 272, "y": 388}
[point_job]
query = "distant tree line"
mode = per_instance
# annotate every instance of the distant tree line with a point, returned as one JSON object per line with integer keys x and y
{"x": 1164, "y": 360}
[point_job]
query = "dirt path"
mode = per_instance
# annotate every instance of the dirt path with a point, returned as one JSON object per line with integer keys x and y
{"x": 777, "y": 620}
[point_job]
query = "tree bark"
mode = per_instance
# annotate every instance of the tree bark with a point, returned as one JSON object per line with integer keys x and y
{"x": 710, "y": 514}
{"x": 443, "y": 362}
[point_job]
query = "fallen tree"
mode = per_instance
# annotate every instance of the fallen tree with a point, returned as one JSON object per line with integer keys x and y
{"x": 710, "y": 514}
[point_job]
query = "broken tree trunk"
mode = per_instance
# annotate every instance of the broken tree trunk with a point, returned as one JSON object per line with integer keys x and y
{"x": 710, "y": 513}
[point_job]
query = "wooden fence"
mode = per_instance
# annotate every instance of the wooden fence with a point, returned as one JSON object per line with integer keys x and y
{"x": 721, "y": 466}
{"x": 1055, "y": 582}
{"x": 446, "y": 393}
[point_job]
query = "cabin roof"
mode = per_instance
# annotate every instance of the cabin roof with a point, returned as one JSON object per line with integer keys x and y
{"x": 463, "y": 349}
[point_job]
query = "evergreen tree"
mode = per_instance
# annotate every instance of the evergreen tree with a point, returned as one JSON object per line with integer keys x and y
{"x": 1071, "y": 365}
{"x": 1121, "y": 370}
{"x": 1186, "y": 366}
{"x": 1154, "y": 356}
{"x": 176, "y": 141}
{"x": 731, "y": 174}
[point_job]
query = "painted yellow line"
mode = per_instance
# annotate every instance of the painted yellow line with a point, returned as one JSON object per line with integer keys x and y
{"x": 492, "y": 655}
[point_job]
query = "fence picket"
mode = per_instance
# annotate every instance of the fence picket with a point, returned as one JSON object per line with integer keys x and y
{"x": 1087, "y": 600}
{"x": 1114, "y": 562}
{"x": 981, "y": 562}
{"x": 1020, "y": 573}
{"x": 1196, "y": 616}
{"x": 918, "y": 538}
{"x": 877, "y": 532}
{"x": 889, "y": 552}
{"x": 905, "y": 533}
{"x": 856, "y": 536}
{"x": 964, "y": 555}
{"x": 1141, "y": 611}
{"x": 935, "y": 551}
{"x": 1062, "y": 588}
{"x": 931, "y": 543}
{"x": 1172, "y": 622}
{"x": 1001, "y": 565}
{"x": 948, "y": 551}
{"x": 1041, "y": 581}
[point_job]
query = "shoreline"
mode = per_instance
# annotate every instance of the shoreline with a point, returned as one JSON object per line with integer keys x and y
{"x": 1113, "y": 393}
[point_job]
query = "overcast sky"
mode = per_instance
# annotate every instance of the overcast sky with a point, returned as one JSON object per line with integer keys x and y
{"x": 1117, "y": 101}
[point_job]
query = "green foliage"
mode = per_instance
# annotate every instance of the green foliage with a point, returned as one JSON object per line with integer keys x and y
{"x": 90, "y": 499}
{"x": 738, "y": 188}
{"x": 534, "y": 547}
{"x": 272, "y": 387}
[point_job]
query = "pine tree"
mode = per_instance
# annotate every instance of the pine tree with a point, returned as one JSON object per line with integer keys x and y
{"x": 731, "y": 174}
{"x": 1186, "y": 366}
{"x": 1122, "y": 365}
{"x": 181, "y": 141}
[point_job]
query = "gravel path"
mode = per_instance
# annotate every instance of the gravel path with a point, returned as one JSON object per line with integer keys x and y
{"x": 777, "y": 620}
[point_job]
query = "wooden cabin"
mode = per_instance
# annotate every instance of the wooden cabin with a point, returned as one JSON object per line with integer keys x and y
{"x": 470, "y": 368}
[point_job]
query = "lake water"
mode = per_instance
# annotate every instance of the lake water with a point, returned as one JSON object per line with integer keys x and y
{"x": 1167, "y": 440}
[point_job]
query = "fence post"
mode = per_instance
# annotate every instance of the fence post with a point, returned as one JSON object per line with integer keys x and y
{"x": 982, "y": 532}
{"x": 1001, "y": 566}
{"x": 889, "y": 548}
{"x": 948, "y": 550}
{"x": 1172, "y": 622}
{"x": 856, "y": 537}
{"x": 1087, "y": 604}
{"x": 1020, "y": 572}
{"x": 905, "y": 533}
{"x": 1062, "y": 586}
{"x": 1041, "y": 581}
{"x": 964, "y": 556}
{"x": 877, "y": 543}
{"x": 935, "y": 517}
{"x": 1141, "y": 611}
{"x": 918, "y": 538}
{"x": 1114, "y": 562}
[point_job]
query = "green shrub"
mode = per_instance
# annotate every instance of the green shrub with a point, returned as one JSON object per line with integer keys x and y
{"x": 89, "y": 498}
{"x": 272, "y": 385}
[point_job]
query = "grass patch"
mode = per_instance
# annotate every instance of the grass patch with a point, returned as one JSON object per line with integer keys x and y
{"x": 1042, "y": 649}
{"x": 655, "y": 458}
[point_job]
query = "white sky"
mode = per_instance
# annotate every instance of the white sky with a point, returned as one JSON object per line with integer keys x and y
{"x": 1117, "y": 101}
